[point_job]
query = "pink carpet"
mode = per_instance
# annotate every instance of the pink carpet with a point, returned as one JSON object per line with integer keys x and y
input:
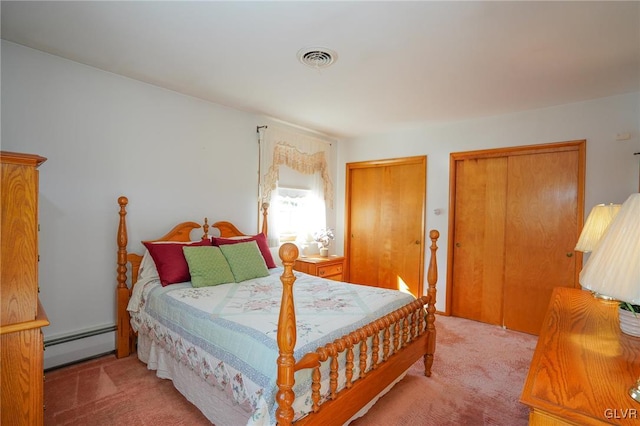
{"x": 477, "y": 377}
{"x": 478, "y": 374}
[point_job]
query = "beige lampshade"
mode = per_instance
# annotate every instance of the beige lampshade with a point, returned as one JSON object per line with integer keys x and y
{"x": 614, "y": 265}
{"x": 597, "y": 223}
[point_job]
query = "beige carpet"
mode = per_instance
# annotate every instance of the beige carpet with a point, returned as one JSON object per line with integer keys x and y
{"x": 478, "y": 374}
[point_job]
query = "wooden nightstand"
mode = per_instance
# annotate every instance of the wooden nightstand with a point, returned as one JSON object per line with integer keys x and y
{"x": 331, "y": 267}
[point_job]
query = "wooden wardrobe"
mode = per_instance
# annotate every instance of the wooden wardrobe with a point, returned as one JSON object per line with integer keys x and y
{"x": 516, "y": 214}
{"x": 21, "y": 315}
{"x": 385, "y": 223}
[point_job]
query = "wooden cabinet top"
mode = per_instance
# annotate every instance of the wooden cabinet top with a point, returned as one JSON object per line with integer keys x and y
{"x": 20, "y": 158}
{"x": 319, "y": 259}
{"x": 331, "y": 267}
{"x": 583, "y": 365}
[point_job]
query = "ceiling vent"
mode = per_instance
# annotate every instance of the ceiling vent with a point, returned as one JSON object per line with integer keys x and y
{"x": 317, "y": 57}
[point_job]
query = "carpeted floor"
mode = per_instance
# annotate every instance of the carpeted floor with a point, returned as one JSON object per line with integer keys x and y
{"x": 477, "y": 378}
{"x": 478, "y": 374}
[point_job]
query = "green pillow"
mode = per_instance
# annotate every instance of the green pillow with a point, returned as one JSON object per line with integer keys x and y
{"x": 207, "y": 266}
{"x": 245, "y": 260}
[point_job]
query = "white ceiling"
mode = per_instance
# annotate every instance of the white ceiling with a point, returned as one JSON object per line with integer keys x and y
{"x": 399, "y": 63}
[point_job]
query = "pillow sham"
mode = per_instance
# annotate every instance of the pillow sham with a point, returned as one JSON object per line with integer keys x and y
{"x": 207, "y": 266}
{"x": 245, "y": 260}
{"x": 260, "y": 238}
{"x": 170, "y": 261}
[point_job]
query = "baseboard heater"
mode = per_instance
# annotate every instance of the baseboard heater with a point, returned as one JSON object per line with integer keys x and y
{"x": 81, "y": 335}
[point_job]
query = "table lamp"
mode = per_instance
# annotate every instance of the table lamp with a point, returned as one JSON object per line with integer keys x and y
{"x": 595, "y": 226}
{"x": 614, "y": 265}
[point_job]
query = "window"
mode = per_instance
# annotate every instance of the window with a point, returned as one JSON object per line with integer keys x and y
{"x": 298, "y": 214}
{"x": 295, "y": 182}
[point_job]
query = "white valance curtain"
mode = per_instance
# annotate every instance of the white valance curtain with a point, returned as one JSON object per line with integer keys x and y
{"x": 281, "y": 148}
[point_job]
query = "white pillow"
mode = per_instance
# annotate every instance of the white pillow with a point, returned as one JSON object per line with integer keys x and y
{"x": 148, "y": 270}
{"x": 275, "y": 253}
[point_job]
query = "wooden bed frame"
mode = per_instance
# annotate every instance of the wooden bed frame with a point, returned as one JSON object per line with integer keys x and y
{"x": 414, "y": 334}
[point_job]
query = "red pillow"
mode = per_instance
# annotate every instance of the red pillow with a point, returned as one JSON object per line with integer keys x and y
{"x": 170, "y": 261}
{"x": 263, "y": 245}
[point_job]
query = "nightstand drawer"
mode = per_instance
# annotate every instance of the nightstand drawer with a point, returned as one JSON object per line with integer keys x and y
{"x": 331, "y": 267}
{"x": 329, "y": 270}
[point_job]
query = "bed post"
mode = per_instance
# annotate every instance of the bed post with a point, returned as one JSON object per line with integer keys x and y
{"x": 265, "y": 225}
{"x": 432, "y": 279}
{"x": 122, "y": 337}
{"x": 205, "y": 228}
{"x": 286, "y": 338}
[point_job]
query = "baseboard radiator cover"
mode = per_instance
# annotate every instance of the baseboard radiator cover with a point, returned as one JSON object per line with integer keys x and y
{"x": 79, "y": 346}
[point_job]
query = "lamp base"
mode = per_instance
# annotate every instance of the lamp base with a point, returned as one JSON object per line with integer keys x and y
{"x": 629, "y": 322}
{"x": 634, "y": 392}
{"x": 602, "y": 296}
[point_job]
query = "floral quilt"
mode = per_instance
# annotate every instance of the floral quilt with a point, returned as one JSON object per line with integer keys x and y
{"x": 227, "y": 333}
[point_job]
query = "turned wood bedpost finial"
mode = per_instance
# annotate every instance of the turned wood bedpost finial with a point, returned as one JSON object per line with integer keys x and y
{"x": 265, "y": 213}
{"x": 122, "y": 243}
{"x": 123, "y": 347}
{"x": 205, "y": 228}
{"x": 432, "y": 279}
{"x": 432, "y": 276}
{"x": 286, "y": 338}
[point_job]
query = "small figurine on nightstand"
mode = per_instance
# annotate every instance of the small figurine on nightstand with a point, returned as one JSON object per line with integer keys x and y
{"x": 324, "y": 238}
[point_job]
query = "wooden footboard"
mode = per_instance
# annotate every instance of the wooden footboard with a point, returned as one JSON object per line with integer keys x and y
{"x": 407, "y": 334}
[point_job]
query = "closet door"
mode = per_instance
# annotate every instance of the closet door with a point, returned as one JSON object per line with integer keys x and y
{"x": 541, "y": 231}
{"x": 480, "y": 210}
{"x": 385, "y": 223}
{"x": 516, "y": 216}
{"x": 364, "y": 237}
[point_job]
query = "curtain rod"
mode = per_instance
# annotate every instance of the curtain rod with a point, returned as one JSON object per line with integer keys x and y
{"x": 322, "y": 137}
{"x": 304, "y": 130}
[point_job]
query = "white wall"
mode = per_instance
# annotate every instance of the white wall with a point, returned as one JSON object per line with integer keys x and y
{"x": 611, "y": 173}
{"x": 177, "y": 158}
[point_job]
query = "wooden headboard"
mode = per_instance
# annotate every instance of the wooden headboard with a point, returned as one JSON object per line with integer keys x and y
{"x": 179, "y": 233}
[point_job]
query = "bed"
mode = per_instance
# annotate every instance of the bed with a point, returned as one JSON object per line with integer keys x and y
{"x": 261, "y": 350}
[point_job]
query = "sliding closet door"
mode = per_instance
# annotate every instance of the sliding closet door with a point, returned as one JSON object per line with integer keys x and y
{"x": 363, "y": 239}
{"x": 480, "y": 209}
{"x": 402, "y": 261}
{"x": 385, "y": 223}
{"x": 541, "y": 233}
{"x": 516, "y": 217}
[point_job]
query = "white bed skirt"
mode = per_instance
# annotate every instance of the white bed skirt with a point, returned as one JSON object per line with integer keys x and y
{"x": 214, "y": 403}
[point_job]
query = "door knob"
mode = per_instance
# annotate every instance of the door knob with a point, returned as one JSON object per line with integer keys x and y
{"x": 457, "y": 244}
{"x": 569, "y": 254}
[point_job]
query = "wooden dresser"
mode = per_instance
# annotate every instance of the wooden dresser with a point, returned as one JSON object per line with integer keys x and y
{"x": 331, "y": 267}
{"x": 583, "y": 365}
{"x": 21, "y": 315}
